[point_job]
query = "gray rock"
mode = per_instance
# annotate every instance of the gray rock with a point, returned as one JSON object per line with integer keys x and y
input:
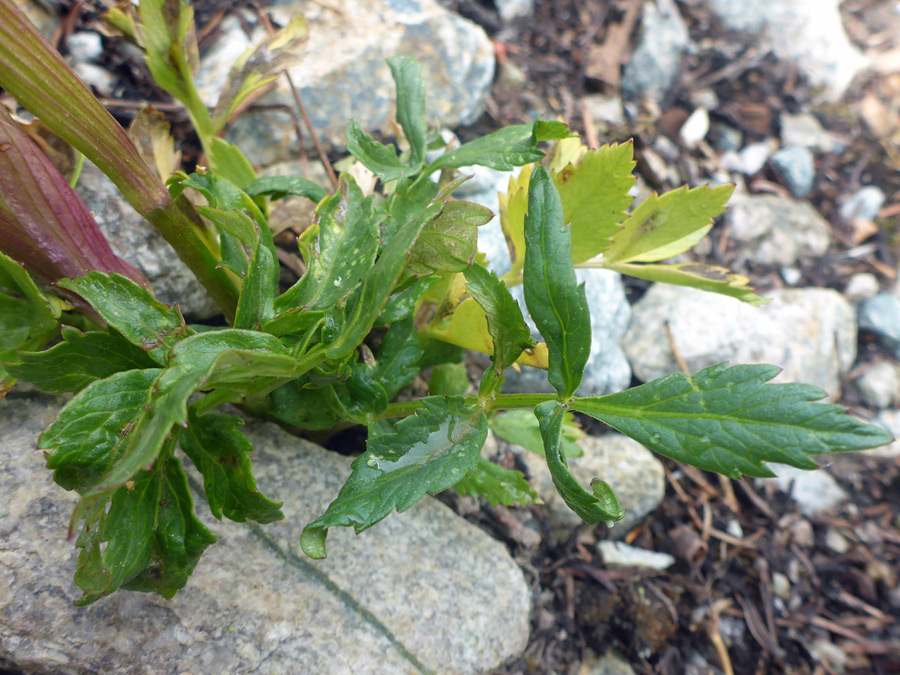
{"x": 777, "y": 231}
{"x": 619, "y": 554}
{"x": 85, "y": 45}
{"x": 805, "y": 131}
{"x": 810, "y": 333}
{"x": 879, "y": 385}
{"x": 890, "y": 420}
{"x": 814, "y": 491}
{"x": 634, "y": 473}
{"x": 728, "y": 139}
{"x": 354, "y": 81}
{"x": 656, "y": 61}
{"x": 37, "y": 12}
{"x": 606, "y": 109}
{"x": 797, "y": 166}
{"x": 807, "y": 33}
{"x": 422, "y": 590}
{"x": 865, "y": 204}
{"x": 880, "y": 315}
{"x": 607, "y": 368}
{"x": 138, "y": 242}
{"x": 96, "y": 77}
{"x": 861, "y": 285}
{"x": 510, "y": 10}
{"x": 609, "y": 664}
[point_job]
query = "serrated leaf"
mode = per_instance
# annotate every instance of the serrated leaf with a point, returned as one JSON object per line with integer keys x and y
{"x": 313, "y": 408}
{"x": 497, "y": 485}
{"x": 502, "y": 150}
{"x": 509, "y": 333}
{"x": 27, "y": 315}
{"x": 85, "y": 438}
{"x": 229, "y": 162}
{"x": 398, "y": 359}
{"x": 179, "y": 538}
{"x": 132, "y": 311}
{"x": 602, "y": 505}
{"x": 513, "y": 206}
{"x": 380, "y": 159}
{"x": 256, "y": 305}
{"x": 664, "y": 226}
{"x": 449, "y": 241}
{"x": 341, "y": 251}
{"x": 235, "y": 224}
{"x": 258, "y": 66}
{"x": 427, "y": 452}
{"x": 79, "y": 360}
{"x": 277, "y": 187}
{"x": 694, "y": 275}
{"x": 170, "y": 42}
{"x": 729, "y": 420}
{"x": 222, "y": 454}
{"x": 556, "y": 302}
{"x": 407, "y": 75}
{"x": 594, "y": 195}
{"x": 520, "y": 427}
{"x": 402, "y": 304}
{"x": 467, "y": 327}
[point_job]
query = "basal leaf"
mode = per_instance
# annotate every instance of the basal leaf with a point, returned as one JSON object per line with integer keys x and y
{"x": 695, "y": 275}
{"x": 729, "y": 420}
{"x": 398, "y": 359}
{"x": 497, "y": 485}
{"x": 663, "y": 227}
{"x": 132, "y": 311}
{"x": 407, "y": 75}
{"x": 427, "y": 452}
{"x": 509, "y": 332}
{"x": 409, "y": 200}
{"x": 449, "y": 241}
{"x": 555, "y": 301}
{"x": 259, "y": 66}
{"x": 341, "y": 251}
{"x": 363, "y": 396}
{"x": 520, "y": 427}
{"x": 594, "y": 195}
{"x": 592, "y": 508}
{"x": 86, "y": 436}
{"x": 79, "y": 360}
{"x": 380, "y": 159}
{"x": 277, "y": 187}
{"x": 222, "y": 454}
{"x": 179, "y": 538}
{"x": 311, "y": 408}
{"x": 402, "y": 304}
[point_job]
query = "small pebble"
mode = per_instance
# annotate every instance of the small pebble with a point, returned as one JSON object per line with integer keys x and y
{"x": 619, "y": 554}
{"x": 791, "y": 275}
{"x": 797, "y": 166}
{"x": 861, "y": 286}
{"x": 864, "y": 204}
{"x": 836, "y": 542}
{"x": 728, "y": 139}
{"x": 829, "y": 654}
{"x": 734, "y": 529}
{"x": 85, "y": 46}
{"x": 781, "y": 586}
{"x": 805, "y": 131}
{"x": 754, "y": 157}
{"x": 695, "y": 127}
{"x": 880, "y": 315}
{"x": 879, "y": 384}
{"x": 95, "y": 76}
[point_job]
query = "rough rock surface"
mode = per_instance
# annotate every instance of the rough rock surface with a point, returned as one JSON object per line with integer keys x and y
{"x": 607, "y": 369}
{"x": 657, "y": 59}
{"x": 879, "y": 384}
{"x": 808, "y": 33}
{"x": 814, "y": 491}
{"x": 352, "y": 79}
{"x": 776, "y": 230}
{"x": 422, "y": 590}
{"x": 633, "y": 472}
{"x": 138, "y": 242}
{"x": 810, "y": 333}
{"x": 880, "y": 315}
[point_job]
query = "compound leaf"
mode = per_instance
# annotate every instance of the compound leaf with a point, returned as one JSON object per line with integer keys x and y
{"x": 729, "y": 420}
{"x": 503, "y": 150}
{"x": 449, "y": 241}
{"x": 497, "y": 485}
{"x": 427, "y": 452}
{"x": 602, "y": 505}
{"x": 557, "y": 304}
{"x": 222, "y": 454}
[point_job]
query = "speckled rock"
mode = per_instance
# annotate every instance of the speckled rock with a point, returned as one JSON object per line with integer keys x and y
{"x": 814, "y": 491}
{"x": 777, "y": 231}
{"x": 656, "y": 61}
{"x": 353, "y": 80}
{"x": 797, "y": 167}
{"x": 880, "y": 316}
{"x": 879, "y": 384}
{"x": 634, "y": 473}
{"x": 607, "y": 369}
{"x": 810, "y": 333}
{"x": 138, "y": 242}
{"x": 807, "y": 33}
{"x": 422, "y": 590}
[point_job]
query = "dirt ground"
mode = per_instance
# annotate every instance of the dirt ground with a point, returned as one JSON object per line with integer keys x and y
{"x": 717, "y": 610}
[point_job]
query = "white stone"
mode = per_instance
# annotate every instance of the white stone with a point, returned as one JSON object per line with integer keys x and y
{"x": 879, "y": 384}
{"x": 861, "y": 286}
{"x": 95, "y": 76}
{"x": 753, "y": 157}
{"x": 656, "y": 60}
{"x": 695, "y": 127}
{"x": 619, "y": 554}
{"x": 510, "y": 10}
{"x": 810, "y": 333}
{"x": 814, "y": 491}
{"x": 423, "y": 590}
{"x": 805, "y": 131}
{"x": 85, "y": 46}
{"x": 890, "y": 420}
{"x": 865, "y": 204}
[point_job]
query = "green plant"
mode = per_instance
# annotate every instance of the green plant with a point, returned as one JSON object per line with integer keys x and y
{"x": 394, "y": 287}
